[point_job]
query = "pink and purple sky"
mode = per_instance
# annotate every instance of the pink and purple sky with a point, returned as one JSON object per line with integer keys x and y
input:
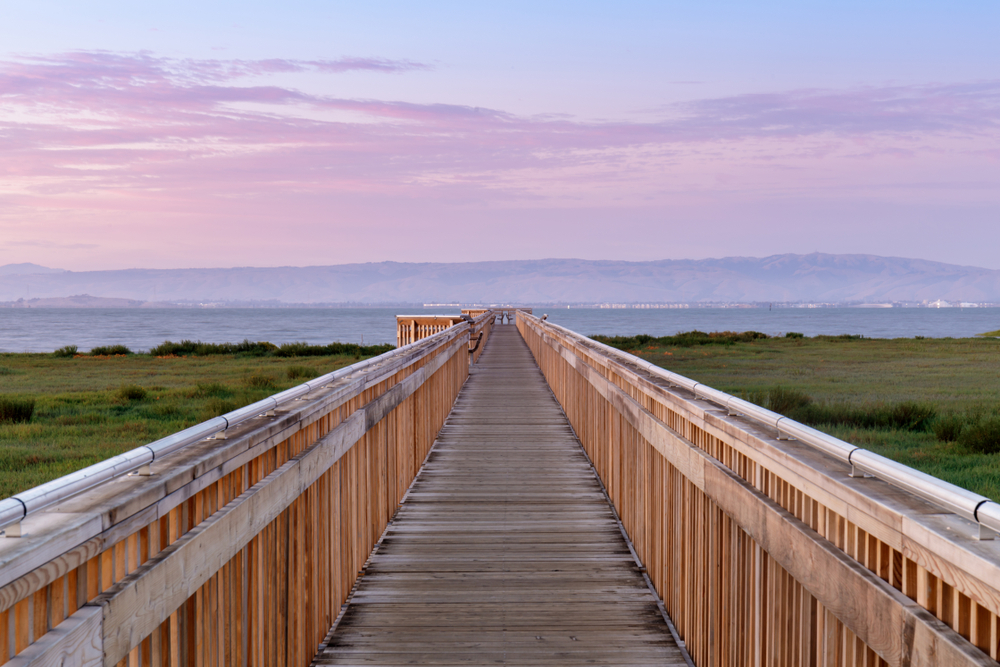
{"x": 193, "y": 134}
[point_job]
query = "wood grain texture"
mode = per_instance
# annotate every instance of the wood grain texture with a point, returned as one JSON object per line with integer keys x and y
{"x": 756, "y": 563}
{"x": 286, "y": 583}
{"x": 54, "y": 532}
{"x": 506, "y": 550}
{"x": 76, "y": 641}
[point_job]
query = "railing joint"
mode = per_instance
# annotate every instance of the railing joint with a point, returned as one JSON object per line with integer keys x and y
{"x": 859, "y": 473}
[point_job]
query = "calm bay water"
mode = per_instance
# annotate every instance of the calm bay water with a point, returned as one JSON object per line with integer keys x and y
{"x": 43, "y": 330}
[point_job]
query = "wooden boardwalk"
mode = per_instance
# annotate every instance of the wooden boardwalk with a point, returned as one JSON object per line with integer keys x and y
{"x": 505, "y": 551}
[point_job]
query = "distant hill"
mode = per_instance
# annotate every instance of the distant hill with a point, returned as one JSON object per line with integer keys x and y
{"x": 26, "y": 269}
{"x": 83, "y": 301}
{"x": 816, "y": 277}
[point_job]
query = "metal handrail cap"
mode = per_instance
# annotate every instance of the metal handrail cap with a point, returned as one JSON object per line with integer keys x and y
{"x": 937, "y": 491}
{"x": 58, "y": 489}
{"x": 988, "y": 514}
{"x": 190, "y": 435}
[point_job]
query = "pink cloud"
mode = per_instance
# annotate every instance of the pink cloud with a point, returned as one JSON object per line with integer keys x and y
{"x": 139, "y": 137}
{"x": 895, "y": 110}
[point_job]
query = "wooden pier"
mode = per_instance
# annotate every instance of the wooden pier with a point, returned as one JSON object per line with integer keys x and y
{"x": 506, "y": 550}
{"x": 499, "y": 495}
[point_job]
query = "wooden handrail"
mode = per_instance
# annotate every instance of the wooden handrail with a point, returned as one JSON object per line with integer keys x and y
{"x": 412, "y": 328}
{"x": 761, "y": 548}
{"x": 229, "y": 530}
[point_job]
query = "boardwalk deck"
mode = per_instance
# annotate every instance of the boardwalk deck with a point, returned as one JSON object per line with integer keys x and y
{"x": 505, "y": 551}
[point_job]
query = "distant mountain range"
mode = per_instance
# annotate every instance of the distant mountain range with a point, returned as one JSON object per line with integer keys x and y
{"x": 26, "y": 269}
{"x": 779, "y": 278}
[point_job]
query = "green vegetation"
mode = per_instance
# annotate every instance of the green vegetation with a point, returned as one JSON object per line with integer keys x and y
{"x": 15, "y": 410}
{"x": 64, "y": 411}
{"x": 930, "y": 403}
{"x": 131, "y": 392}
{"x": 904, "y": 416}
{"x": 250, "y": 348}
{"x": 994, "y": 334}
{"x": 259, "y": 380}
{"x": 110, "y": 351}
{"x": 303, "y": 372}
{"x": 686, "y": 339}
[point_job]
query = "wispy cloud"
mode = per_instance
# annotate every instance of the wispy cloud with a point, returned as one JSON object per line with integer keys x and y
{"x": 892, "y": 110}
{"x": 52, "y": 245}
{"x": 103, "y": 67}
{"x": 125, "y": 126}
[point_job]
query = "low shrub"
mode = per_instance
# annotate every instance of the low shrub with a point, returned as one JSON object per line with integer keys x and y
{"x": 948, "y": 428}
{"x": 982, "y": 436}
{"x": 685, "y": 339}
{"x": 905, "y": 416}
{"x": 250, "y": 348}
{"x": 67, "y": 351}
{"x": 348, "y": 349}
{"x": 131, "y": 392}
{"x": 912, "y": 416}
{"x": 778, "y": 399}
{"x": 109, "y": 351}
{"x": 794, "y": 334}
{"x": 844, "y": 337}
{"x": 15, "y": 410}
{"x": 187, "y": 348}
{"x": 303, "y": 372}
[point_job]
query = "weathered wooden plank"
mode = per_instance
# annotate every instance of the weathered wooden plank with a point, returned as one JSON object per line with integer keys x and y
{"x": 139, "y": 603}
{"x": 57, "y": 538}
{"x": 76, "y": 641}
{"x": 505, "y": 548}
{"x": 807, "y": 584}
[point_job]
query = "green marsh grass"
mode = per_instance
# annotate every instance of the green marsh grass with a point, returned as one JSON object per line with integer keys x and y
{"x": 932, "y": 403}
{"x": 110, "y": 351}
{"x": 15, "y": 410}
{"x": 88, "y": 408}
{"x": 301, "y": 372}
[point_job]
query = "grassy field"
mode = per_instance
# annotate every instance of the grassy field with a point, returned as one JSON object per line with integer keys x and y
{"x": 918, "y": 401}
{"x": 854, "y": 388}
{"x": 88, "y": 408}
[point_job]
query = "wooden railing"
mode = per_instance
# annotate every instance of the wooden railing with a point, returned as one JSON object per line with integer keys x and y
{"x": 503, "y": 313}
{"x": 764, "y": 551}
{"x": 232, "y": 552}
{"x": 412, "y": 328}
{"x": 482, "y": 326}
